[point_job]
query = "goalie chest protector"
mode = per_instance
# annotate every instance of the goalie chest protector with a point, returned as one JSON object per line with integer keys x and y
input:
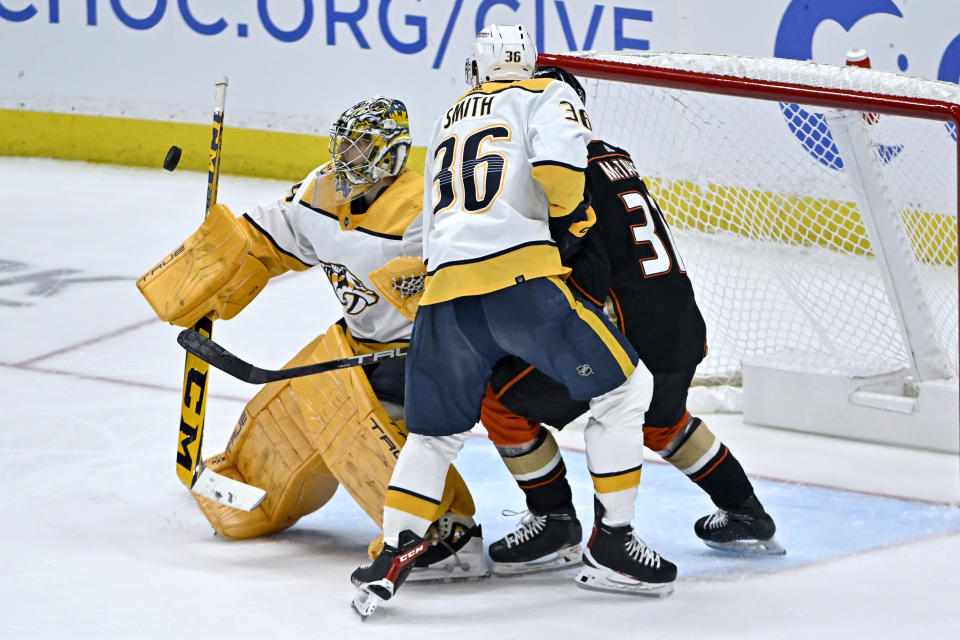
{"x": 314, "y": 236}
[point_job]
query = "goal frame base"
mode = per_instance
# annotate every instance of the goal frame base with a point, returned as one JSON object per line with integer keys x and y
{"x": 853, "y": 402}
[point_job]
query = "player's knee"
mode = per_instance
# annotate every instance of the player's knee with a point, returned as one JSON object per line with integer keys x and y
{"x": 627, "y": 404}
{"x": 443, "y": 447}
{"x": 597, "y": 432}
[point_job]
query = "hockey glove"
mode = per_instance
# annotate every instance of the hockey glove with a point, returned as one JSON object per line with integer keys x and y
{"x": 568, "y": 231}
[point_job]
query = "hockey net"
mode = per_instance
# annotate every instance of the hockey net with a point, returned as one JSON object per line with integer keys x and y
{"x": 797, "y": 246}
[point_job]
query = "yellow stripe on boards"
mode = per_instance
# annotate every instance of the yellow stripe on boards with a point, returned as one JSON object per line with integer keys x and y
{"x": 599, "y": 328}
{"x": 797, "y": 220}
{"x": 289, "y": 156}
{"x": 619, "y": 482}
{"x": 144, "y": 143}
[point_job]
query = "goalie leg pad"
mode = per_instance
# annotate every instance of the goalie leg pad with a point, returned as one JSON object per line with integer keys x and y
{"x": 358, "y": 440}
{"x": 297, "y": 438}
{"x": 271, "y": 449}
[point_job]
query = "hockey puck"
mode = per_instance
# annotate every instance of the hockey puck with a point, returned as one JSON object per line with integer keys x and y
{"x": 172, "y": 159}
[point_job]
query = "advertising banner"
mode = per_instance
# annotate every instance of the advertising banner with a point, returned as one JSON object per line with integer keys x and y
{"x": 294, "y": 65}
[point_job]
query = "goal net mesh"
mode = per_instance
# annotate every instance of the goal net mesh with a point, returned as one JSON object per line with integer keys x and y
{"x": 767, "y": 221}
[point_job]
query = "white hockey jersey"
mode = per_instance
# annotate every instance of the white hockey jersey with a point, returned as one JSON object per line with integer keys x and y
{"x": 302, "y": 235}
{"x": 501, "y": 161}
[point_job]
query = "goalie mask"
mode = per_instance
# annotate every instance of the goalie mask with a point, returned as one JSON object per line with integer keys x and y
{"x": 369, "y": 142}
{"x": 501, "y": 52}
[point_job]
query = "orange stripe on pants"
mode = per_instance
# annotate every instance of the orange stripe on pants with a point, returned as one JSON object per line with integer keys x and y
{"x": 505, "y": 428}
{"x": 658, "y": 438}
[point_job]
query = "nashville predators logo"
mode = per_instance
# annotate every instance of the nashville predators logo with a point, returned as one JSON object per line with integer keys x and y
{"x": 352, "y": 293}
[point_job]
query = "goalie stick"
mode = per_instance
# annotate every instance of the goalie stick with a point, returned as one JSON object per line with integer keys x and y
{"x": 203, "y": 347}
{"x": 190, "y": 468}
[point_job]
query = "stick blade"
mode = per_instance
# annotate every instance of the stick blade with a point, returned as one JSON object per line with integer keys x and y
{"x": 227, "y": 491}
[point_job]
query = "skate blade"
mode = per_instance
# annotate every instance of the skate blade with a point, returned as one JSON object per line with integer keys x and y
{"x": 769, "y": 547}
{"x": 465, "y": 566}
{"x": 429, "y": 575}
{"x": 365, "y": 602}
{"x": 593, "y": 579}
{"x": 567, "y": 558}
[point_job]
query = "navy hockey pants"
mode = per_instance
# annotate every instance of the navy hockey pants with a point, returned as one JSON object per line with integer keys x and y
{"x": 455, "y": 345}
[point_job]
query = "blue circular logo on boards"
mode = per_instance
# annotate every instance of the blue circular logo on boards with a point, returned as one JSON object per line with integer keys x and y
{"x": 949, "y": 71}
{"x": 795, "y": 40}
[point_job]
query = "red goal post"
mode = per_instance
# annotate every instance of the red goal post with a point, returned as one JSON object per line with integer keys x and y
{"x": 883, "y": 246}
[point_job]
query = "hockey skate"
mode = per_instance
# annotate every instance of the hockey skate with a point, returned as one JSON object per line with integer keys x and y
{"x": 747, "y": 530}
{"x": 455, "y": 553}
{"x": 542, "y": 542}
{"x": 616, "y": 560}
{"x": 379, "y": 580}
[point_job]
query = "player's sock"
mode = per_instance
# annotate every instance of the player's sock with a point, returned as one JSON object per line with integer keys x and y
{"x": 417, "y": 484}
{"x": 549, "y": 535}
{"x": 740, "y": 522}
{"x": 692, "y": 448}
{"x": 539, "y": 471}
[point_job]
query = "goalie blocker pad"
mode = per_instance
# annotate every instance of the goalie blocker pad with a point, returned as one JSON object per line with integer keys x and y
{"x": 298, "y": 439}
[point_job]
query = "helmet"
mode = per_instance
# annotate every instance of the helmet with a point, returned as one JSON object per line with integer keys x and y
{"x": 368, "y": 142}
{"x": 559, "y": 73}
{"x": 501, "y": 52}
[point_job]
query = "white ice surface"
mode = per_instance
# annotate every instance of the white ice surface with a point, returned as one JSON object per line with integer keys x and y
{"x": 99, "y": 539}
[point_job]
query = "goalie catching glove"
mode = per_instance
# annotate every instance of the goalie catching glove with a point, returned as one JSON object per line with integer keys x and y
{"x": 212, "y": 273}
{"x": 400, "y": 282}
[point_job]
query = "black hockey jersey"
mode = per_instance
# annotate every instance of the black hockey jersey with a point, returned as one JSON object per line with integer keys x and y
{"x": 630, "y": 256}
